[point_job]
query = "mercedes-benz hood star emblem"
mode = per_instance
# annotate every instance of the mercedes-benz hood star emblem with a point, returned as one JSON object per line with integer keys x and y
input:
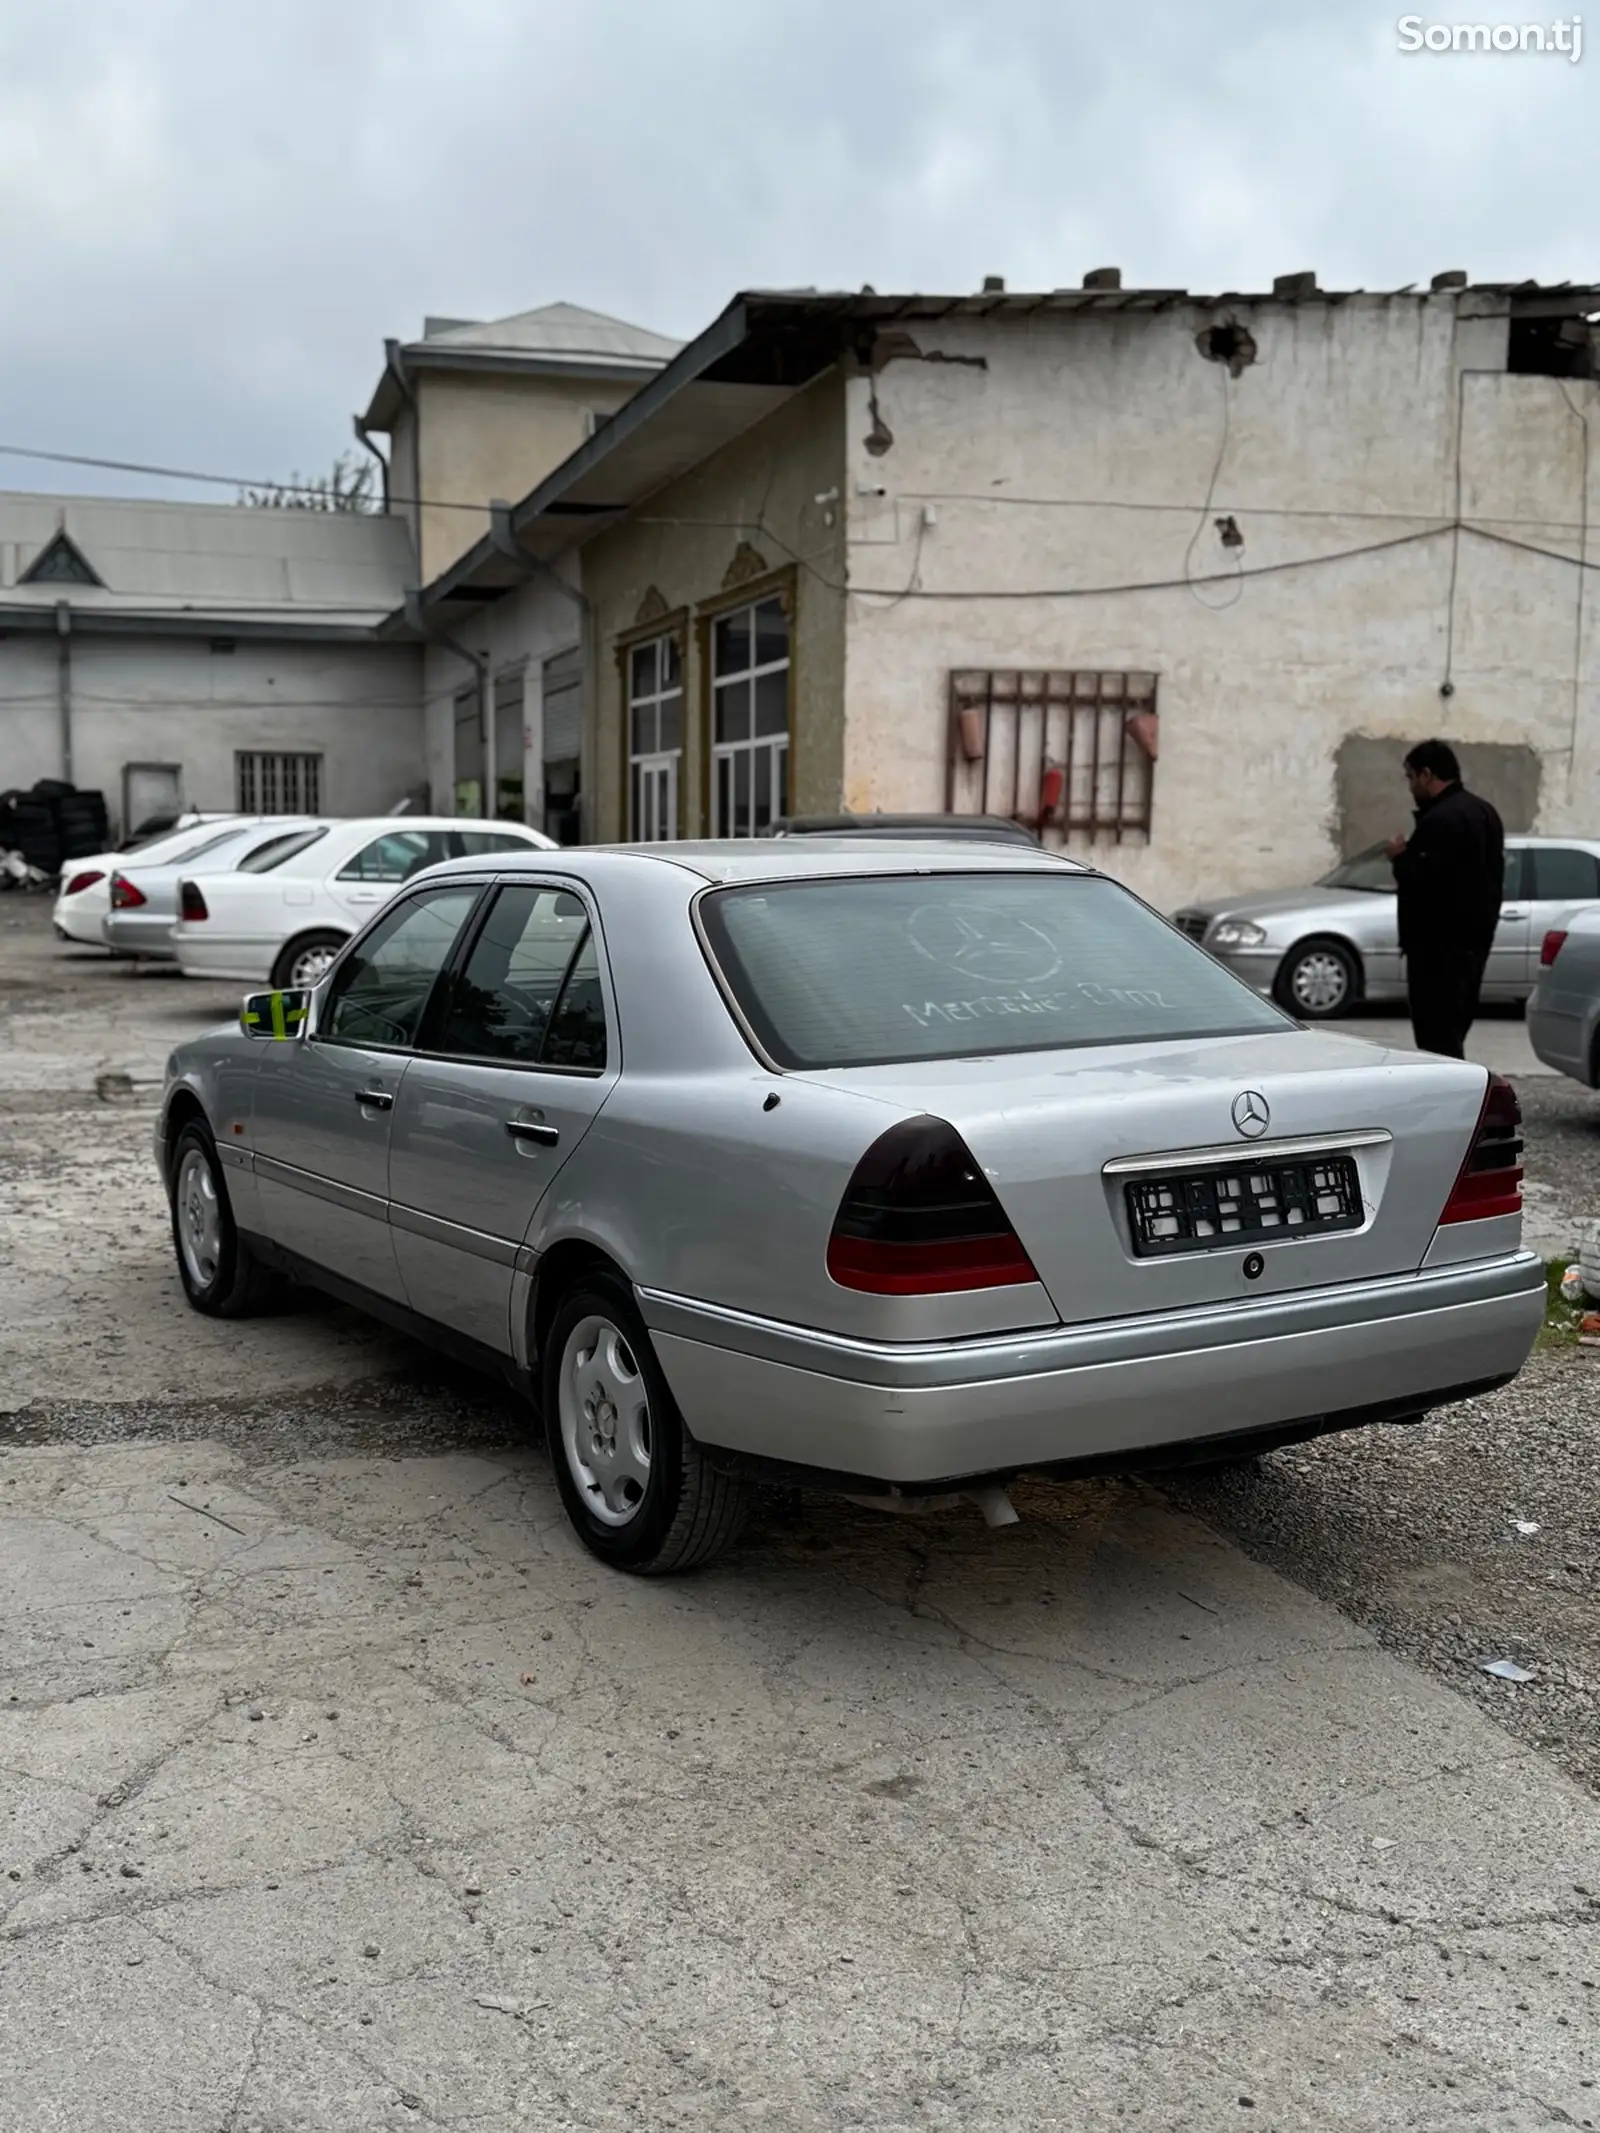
{"x": 1252, "y": 1114}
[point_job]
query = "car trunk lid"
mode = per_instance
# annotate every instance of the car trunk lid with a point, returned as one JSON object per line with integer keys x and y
{"x": 1062, "y": 1136}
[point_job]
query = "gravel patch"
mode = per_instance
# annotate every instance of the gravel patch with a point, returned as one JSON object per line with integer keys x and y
{"x": 1414, "y": 1533}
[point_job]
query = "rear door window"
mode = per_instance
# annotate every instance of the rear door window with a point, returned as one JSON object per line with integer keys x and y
{"x": 501, "y": 1005}
{"x": 1564, "y": 873}
{"x": 880, "y": 969}
{"x": 399, "y": 854}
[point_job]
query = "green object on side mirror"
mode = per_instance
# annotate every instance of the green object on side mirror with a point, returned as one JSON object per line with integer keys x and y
{"x": 279, "y": 1017}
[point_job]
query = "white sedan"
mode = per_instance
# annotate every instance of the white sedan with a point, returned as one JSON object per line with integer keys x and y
{"x": 85, "y": 891}
{"x": 283, "y": 916}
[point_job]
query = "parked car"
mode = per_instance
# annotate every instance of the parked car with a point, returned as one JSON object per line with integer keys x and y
{"x": 1322, "y": 950}
{"x": 987, "y": 829}
{"x": 144, "y": 892}
{"x": 284, "y": 915}
{"x": 84, "y": 898}
{"x": 892, "y": 1172}
{"x": 1564, "y": 1013}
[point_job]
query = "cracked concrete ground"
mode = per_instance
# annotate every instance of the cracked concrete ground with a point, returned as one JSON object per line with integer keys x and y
{"x": 342, "y": 1790}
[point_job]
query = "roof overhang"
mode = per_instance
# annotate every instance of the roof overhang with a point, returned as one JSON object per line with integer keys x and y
{"x": 15, "y": 617}
{"x": 391, "y": 392}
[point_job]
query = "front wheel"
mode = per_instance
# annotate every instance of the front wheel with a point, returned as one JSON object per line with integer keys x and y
{"x": 1318, "y": 980}
{"x": 639, "y": 1490}
{"x": 221, "y": 1276}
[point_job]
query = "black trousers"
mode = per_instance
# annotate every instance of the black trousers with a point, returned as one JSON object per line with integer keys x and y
{"x": 1443, "y": 985}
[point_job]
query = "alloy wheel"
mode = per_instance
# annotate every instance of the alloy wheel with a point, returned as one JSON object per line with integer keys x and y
{"x": 605, "y": 1421}
{"x": 199, "y": 1219}
{"x": 1320, "y": 982}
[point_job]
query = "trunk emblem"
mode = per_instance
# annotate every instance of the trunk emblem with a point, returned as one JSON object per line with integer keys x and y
{"x": 1252, "y": 1114}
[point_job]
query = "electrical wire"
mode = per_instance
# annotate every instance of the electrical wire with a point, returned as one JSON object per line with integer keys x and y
{"x": 1236, "y": 576}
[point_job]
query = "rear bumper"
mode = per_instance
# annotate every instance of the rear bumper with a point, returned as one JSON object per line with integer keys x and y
{"x": 139, "y": 933}
{"x": 1563, "y": 1041}
{"x": 930, "y": 1412}
{"x": 80, "y": 923}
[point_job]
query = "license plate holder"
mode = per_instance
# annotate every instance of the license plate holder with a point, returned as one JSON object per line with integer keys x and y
{"x": 1224, "y": 1206}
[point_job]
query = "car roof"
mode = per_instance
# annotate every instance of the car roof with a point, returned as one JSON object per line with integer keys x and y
{"x": 779, "y": 859}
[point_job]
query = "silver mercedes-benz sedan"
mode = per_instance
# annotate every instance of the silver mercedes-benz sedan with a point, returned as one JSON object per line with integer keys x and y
{"x": 896, "y": 1172}
{"x": 1564, "y": 1013}
{"x": 1322, "y": 950}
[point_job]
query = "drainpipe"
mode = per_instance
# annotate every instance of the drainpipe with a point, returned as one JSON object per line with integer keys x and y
{"x": 64, "y": 683}
{"x": 504, "y": 542}
{"x": 478, "y": 661}
{"x": 364, "y": 437}
{"x": 394, "y": 364}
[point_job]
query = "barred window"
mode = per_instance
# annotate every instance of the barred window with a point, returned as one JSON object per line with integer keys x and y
{"x": 1072, "y": 752}
{"x": 273, "y": 784}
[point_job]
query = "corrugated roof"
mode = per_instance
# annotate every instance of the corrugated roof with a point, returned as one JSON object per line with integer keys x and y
{"x": 210, "y": 562}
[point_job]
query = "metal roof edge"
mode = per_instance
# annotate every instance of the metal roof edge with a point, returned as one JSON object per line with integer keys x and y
{"x": 111, "y": 622}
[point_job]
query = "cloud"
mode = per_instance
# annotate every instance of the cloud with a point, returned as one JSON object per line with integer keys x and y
{"x": 215, "y": 215}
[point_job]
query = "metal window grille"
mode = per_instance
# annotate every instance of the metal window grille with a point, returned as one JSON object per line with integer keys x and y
{"x": 1071, "y": 753}
{"x": 272, "y": 784}
{"x": 749, "y": 719}
{"x": 655, "y": 738}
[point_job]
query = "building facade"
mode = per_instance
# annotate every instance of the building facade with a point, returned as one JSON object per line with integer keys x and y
{"x": 1173, "y": 579}
{"x": 206, "y": 656}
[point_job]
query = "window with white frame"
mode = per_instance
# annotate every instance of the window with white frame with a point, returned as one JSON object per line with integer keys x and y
{"x": 655, "y": 738}
{"x": 268, "y": 783}
{"x": 749, "y": 719}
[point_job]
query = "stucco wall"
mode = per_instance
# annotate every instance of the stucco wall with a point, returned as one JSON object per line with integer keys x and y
{"x": 1082, "y": 458}
{"x": 764, "y": 489}
{"x": 483, "y": 436}
{"x": 174, "y": 700}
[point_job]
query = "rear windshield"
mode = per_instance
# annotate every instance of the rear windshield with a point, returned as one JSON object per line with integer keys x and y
{"x": 281, "y": 848}
{"x": 866, "y": 972}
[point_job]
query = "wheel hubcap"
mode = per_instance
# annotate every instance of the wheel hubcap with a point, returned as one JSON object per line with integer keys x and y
{"x": 1320, "y": 983}
{"x": 309, "y": 967}
{"x": 605, "y": 1421}
{"x": 199, "y": 1219}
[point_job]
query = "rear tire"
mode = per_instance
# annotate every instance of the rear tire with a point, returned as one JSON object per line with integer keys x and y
{"x": 302, "y": 962}
{"x": 1318, "y": 980}
{"x": 221, "y": 1276}
{"x": 639, "y": 1491}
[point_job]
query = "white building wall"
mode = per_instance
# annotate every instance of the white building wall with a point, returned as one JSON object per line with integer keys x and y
{"x": 1082, "y": 459}
{"x": 517, "y": 632}
{"x": 175, "y": 700}
{"x": 30, "y": 723}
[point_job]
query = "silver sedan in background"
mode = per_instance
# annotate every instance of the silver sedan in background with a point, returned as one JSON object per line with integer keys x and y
{"x": 1322, "y": 950}
{"x": 895, "y": 1170}
{"x": 1564, "y": 1013}
{"x": 145, "y": 897}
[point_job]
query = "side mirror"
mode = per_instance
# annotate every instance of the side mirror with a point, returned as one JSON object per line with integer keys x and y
{"x": 277, "y": 1017}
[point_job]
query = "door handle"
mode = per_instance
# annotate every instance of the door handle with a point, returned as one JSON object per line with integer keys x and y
{"x": 380, "y": 1099}
{"x": 1508, "y": 911}
{"x": 527, "y": 1129}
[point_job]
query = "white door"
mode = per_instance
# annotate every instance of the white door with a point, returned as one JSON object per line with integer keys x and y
{"x": 148, "y": 790}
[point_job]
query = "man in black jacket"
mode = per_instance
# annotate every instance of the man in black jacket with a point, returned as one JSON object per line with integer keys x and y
{"x": 1450, "y": 874}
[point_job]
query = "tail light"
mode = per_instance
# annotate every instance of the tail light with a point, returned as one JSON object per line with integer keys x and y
{"x": 124, "y": 896}
{"x": 1551, "y": 947}
{"x": 1491, "y": 1177}
{"x": 921, "y": 1219}
{"x": 80, "y": 882}
{"x": 191, "y": 904}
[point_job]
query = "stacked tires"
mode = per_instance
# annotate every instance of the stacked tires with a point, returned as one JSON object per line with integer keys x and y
{"x": 52, "y": 824}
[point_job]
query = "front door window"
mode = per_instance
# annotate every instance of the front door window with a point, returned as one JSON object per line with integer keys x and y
{"x": 382, "y": 986}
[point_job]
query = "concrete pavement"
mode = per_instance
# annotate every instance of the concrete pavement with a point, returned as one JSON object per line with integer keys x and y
{"x": 342, "y": 1790}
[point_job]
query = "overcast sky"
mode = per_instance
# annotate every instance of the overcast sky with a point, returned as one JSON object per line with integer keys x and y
{"x": 214, "y": 212}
